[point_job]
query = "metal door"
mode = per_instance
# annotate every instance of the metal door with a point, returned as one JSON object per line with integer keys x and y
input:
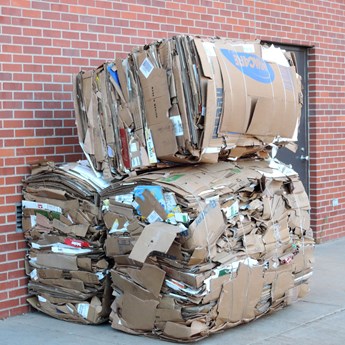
{"x": 300, "y": 159}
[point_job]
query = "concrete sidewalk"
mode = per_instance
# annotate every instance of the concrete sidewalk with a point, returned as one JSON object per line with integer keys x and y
{"x": 317, "y": 319}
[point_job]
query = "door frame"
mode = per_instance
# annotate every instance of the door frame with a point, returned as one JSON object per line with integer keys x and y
{"x": 305, "y": 84}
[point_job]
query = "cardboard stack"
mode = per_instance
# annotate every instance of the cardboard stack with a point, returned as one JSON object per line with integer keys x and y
{"x": 198, "y": 249}
{"x": 187, "y": 100}
{"x": 64, "y": 229}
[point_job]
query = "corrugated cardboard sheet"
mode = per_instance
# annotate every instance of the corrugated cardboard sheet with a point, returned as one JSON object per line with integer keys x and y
{"x": 187, "y": 100}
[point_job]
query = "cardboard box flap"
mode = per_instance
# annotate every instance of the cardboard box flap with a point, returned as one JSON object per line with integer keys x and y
{"x": 283, "y": 112}
{"x": 86, "y": 277}
{"x": 155, "y": 237}
{"x": 49, "y": 273}
{"x": 240, "y": 294}
{"x": 207, "y": 227}
{"x": 236, "y": 100}
{"x": 138, "y": 314}
{"x": 60, "y": 261}
{"x": 76, "y": 229}
{"x": 164, "y": 315}
{"x": 125, "y": 285}
{"x": 150, "y": 277}
{"x": 180, "y": 331}
{"x": 118, "y": 245}
{"x": 282, "y": 283}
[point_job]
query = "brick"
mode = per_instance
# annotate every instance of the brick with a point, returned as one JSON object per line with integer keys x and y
{"x": 9, "y": 303}
{"x": 20, "y": 310}
{"x": 8, "y": 152}
{"x": 34, "y": 142}
{"x": 4, "y": 314}
{"x": 18, "y": 292}
{"x": 16, "y": 256}
{"x": 24, "y": 132}
{"x": 14, "y": 142}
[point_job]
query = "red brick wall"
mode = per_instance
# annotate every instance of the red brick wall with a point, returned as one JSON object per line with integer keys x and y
{"x": 44, "y": 42}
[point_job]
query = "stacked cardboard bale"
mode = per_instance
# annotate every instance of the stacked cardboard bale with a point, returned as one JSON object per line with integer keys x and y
{"x": 64, "y": 229}
{"x": 202, "y": 248}
{"x": 187, "y": 100}
{"x": 197, "y": 248}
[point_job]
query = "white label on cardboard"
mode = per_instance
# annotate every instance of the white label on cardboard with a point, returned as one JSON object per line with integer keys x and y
{"x": 135, "y": 204}
{"x": 35, "y": 245}
{"x": 133, "y": 147}
{"x": 110, "y": 152}
{"x": 232, "y": 211}
{"x": 33, "y": 274}
{"x": 146, "y": 67}
{"x": 203, "y": 111}
{"x": 154, "y": 217}
{"x": 135, "y": 162}
{"x": 170, "y": 201}
{"x": 40, "y": 206}
{"x": 209, "y": 48}
{"x": 83, "y": 309}
{"x": 211, "y": 150}
{"x": 115, "y": 226}
{"x": 248, "y": 48}
{"x": 70, "y": 309}
{"x": 124, "y": 198}
{"x": 33, "y": 220}
{"x": 182, "y": 217}
{"x": 177, "y": 123}
{"x": 41, "y": 299}
{"x": 276, "y": 229}
{"x": 150, "y": 146}
{"x": 212, "y": 198}
{"x": 100, "y": 275}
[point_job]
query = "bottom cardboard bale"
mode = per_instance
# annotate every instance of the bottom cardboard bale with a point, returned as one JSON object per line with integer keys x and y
{"x": 92, "y": 310}
{"x": 204, "y": 248}
{"x": 63, "y": 226}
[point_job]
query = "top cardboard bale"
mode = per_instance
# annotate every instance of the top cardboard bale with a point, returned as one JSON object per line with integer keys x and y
{"x": 186, "y": 100}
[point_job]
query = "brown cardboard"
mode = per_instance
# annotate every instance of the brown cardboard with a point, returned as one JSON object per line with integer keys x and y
{"x": 49, "y": 273}
{"x": 150, "y": 204}
{"x": 265, "y": 86}
{"x": 150, "y": 277}
{"x": 138, "y": 314}
{"x": 78, "y": 229}
{"x": 179, "y": 331}
{"x": 73, "y": 284}
{"x": 86, "y": 277}
{"x": 193, "y": 279}
{"x": 84, "y": 263}
{"x": 239, "y": 295}
{"x": 207, "y": 227}
{"x": 155, "y": 237}
{"x": 118, "y": 245}
{"x": 126, "y": 285}
{"x": 59, "y": 261}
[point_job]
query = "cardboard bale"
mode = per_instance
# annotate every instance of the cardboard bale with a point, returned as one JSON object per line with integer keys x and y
{"x": 65, "y": 232}
{"x": 232, "y": 244}
{"x": 185, "y": 100}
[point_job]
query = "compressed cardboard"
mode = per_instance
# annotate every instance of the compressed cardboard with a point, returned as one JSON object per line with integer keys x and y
{"x": 187, "y": 100}
{"x": 65, "y": 233}
{"x": 240, "y": 250}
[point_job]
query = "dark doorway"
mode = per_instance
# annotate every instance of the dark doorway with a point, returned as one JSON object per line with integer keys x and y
{"x": 300, "y": 159}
